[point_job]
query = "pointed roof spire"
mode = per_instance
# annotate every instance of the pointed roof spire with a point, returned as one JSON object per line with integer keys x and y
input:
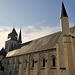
{"x": 20, "y": 38}
{"x": 63, "y": 11}
{"x": 13, "y": 33}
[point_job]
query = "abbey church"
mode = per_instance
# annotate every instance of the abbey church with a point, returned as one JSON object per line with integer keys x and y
{"x": 53, "y": 54}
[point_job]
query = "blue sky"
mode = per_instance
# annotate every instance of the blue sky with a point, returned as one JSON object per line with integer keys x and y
{"x": 37, "y": 18}
{"x": 28, "y": 12}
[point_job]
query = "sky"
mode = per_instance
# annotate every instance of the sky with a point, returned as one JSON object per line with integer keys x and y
{"x": 36, "y": 18}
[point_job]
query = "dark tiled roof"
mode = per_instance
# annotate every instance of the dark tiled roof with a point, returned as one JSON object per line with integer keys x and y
{"x": 13, "y": 33}
{"x": 40, "y": 44}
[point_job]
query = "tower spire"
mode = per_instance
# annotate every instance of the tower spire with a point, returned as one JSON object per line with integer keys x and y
{"x": 64, "y": 21}
{"x": 63, "y": 11}
{"x": 20, "y": 38}
{"x": 13, "y": 35}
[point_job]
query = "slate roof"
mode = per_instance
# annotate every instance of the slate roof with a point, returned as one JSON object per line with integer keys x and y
{"x": 40, "y": 44}
{"x": 13, "y": 33}
{"x": 63, "y": 11}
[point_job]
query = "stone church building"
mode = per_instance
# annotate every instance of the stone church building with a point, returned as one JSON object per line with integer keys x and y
{"x": 53, "y": 54}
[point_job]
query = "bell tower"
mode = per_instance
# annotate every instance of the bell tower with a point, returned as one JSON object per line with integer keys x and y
{"x": 12, "y": 40}
{"x": 64, "y": 21}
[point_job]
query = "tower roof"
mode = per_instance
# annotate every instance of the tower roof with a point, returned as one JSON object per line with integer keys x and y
{"x": 63, "y": 11}
{"x": 13, "y": 33}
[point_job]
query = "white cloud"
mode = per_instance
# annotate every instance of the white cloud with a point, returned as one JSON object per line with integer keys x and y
{"x": 4, "y": 30}
{"x": 32, "y": 32}
{"x": 28, "y": 33}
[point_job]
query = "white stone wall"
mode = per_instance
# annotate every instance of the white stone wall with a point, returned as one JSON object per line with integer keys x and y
{"x": 22, "y": 65}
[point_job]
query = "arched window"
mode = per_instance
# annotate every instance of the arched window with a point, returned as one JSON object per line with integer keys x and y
{"x": 53, "y": 61}
{"x": 32, "y": 63}
{"x": 43, "y": 62}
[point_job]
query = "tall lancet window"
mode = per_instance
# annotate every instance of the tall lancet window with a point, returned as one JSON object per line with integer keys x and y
{"x": 33, "y": 63}
{"x": 53, "y": 61}
{"x": 43, "y": 62}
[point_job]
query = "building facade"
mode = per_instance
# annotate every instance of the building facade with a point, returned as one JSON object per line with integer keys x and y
{"x": 50, "y": 55}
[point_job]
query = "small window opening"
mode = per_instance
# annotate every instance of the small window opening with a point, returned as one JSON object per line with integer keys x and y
{"x": 32, "y": 63}
{"x": 54, "y": 61}
{"x": 43, "y": 62}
